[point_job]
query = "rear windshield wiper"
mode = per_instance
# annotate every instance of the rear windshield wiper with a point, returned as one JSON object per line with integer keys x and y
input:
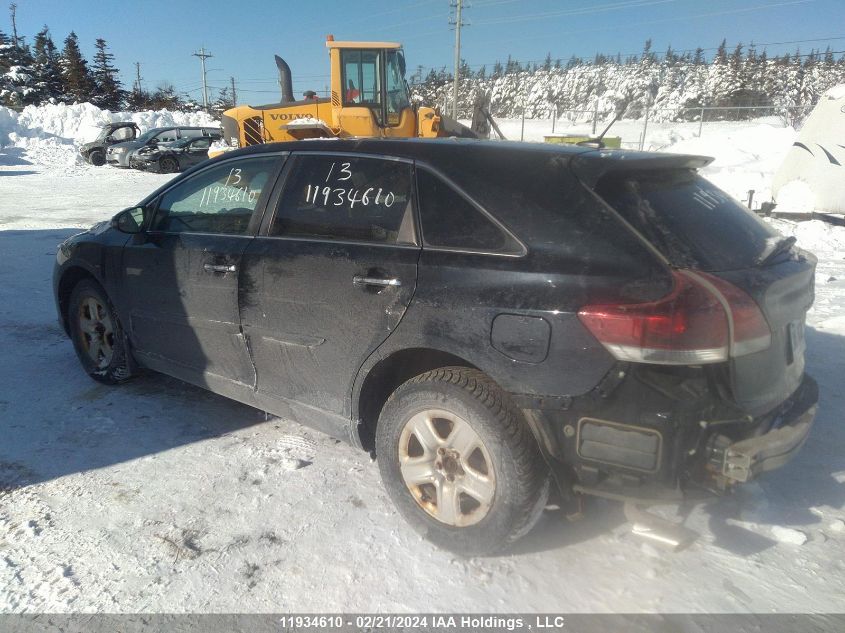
{"x": 774, "y": 247}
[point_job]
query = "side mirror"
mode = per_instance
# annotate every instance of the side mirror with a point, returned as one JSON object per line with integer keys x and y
{"x": 130, "y": 221}
{"x": 152, "y": 141}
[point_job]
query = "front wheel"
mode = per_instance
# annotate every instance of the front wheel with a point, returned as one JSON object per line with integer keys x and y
{"x": 168, "y": 165}
{"x": 97, "y": 334}
{"x": 97, "y": 158}
{"x": 459, "y": 461}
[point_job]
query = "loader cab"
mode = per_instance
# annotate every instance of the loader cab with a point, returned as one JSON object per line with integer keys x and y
{"x": 368, "y": 82}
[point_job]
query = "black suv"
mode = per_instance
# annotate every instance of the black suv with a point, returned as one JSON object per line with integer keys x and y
{"x": 484, "y": 317}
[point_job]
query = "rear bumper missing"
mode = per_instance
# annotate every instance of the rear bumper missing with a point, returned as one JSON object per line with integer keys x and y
{"x": 658, "y": 438}
{"x": 745, "y": 459}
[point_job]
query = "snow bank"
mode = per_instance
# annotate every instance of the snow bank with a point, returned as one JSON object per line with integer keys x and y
{"x": 51, "y": 133}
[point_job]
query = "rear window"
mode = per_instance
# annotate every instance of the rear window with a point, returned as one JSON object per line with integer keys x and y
{"x": 693, "y": 223}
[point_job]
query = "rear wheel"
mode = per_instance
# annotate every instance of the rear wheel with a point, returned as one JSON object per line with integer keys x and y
{"x": 97, "y": 334}
{"x": 459, "y": 462}
{"x": 97, "y": 158}
{"x": 168, "y": 165}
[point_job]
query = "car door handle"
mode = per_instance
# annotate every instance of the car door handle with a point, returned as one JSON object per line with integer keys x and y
{"x": 219, "y": 268}
{"x": 358, "y": 280}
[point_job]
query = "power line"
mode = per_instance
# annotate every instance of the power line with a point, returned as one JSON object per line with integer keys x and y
{"x": 602, "y": 8}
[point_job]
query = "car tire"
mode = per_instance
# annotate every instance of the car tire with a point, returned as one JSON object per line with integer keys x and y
{"x": 97, "y": 334}
{"x": 168, "y": 165}
{"x": 476, "y": 481}
{"x": 97, "y": 158}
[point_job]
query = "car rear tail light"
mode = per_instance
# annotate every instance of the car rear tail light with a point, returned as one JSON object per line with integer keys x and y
{"x": 703, "y": 319}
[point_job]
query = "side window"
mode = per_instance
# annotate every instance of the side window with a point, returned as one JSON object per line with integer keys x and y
{"x": 201, "y": 143}
{"x": 450, "y": 220}
{"x": 167, "y": 136}
{"x": 217, "y": 200}
{"x": 189, "y": 133}
{"x": 123, "y": 134}
{"x": 347, "y": 198}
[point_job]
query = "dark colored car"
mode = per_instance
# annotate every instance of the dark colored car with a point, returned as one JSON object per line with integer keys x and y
{"x": 118, "y": 155}
{"x": 110, "y": 134}
{"x": 485, "y": 317}
{"x": 172, "y": 157}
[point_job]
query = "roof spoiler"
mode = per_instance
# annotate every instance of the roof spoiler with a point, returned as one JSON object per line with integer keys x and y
{"x": 590, "y": 167}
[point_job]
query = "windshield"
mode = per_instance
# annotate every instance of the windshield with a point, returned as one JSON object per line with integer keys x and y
{"x": 146, "y": 136}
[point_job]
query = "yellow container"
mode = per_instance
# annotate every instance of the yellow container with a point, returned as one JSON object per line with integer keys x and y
{"x": 611, "y": 142}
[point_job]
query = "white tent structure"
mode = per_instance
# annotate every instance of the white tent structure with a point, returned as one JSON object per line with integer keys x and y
{"x": 815, "y": 164}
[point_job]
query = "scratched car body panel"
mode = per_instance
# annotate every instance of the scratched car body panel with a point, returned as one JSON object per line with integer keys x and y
{"x": 323, "y": 280}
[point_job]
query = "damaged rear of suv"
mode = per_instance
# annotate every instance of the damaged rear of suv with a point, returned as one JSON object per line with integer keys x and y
{"x": 709, "y": 388}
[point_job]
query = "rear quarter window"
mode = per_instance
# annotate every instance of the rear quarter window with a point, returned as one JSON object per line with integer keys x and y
{"x": 449, "y": 220}
{"x": 692, "y": 222}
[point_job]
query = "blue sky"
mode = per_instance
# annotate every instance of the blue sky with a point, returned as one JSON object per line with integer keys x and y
{"x": 243, "y": 36}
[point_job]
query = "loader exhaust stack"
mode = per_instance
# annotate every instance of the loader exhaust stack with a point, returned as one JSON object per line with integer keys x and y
{"x": 285, "y": 81}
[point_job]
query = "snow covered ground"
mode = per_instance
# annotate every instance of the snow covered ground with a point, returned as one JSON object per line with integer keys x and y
{"x": 159, "y": 497}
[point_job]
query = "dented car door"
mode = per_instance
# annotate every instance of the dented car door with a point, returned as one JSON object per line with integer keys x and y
{"x": 328, "y": 279}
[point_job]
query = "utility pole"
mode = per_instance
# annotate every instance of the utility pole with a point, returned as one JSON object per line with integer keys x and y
{"x": 234, "y": 94}
{"x": 203, "y": 56}
{"x": 138, "y": 77}
{"x": 13, "y": 9}
{"x": 458, "y": 6}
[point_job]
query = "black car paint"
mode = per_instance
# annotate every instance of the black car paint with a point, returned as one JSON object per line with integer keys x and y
{"x": 332, "y": 359}
{"x": 182, "y": 152}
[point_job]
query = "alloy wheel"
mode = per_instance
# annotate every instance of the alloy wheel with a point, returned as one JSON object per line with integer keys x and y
{"x": 95, "y": 324}
{"x": 446, "y": 467}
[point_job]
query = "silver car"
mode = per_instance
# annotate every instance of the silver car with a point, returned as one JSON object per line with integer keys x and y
{"x": 119, "y": 153}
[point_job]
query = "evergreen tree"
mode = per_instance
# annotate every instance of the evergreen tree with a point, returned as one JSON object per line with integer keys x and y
{"x": 17, "y": 81}
{"x": 828, "y": 58}
{"x": 138, "y": 99}
{"x": 223, "y": 102}
{"x": 547, "y": 64}
{"x": 165, "y": 97}
{"x": 107, "y": 90}
{"x": 47, "y": 70}
{"x": 648, "y": 56}
{"x": 722, "y": 53}
{"x": 76, "y": 78}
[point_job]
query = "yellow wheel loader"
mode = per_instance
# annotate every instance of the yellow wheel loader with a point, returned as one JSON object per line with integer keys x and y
{"x": 369, "y": 97}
